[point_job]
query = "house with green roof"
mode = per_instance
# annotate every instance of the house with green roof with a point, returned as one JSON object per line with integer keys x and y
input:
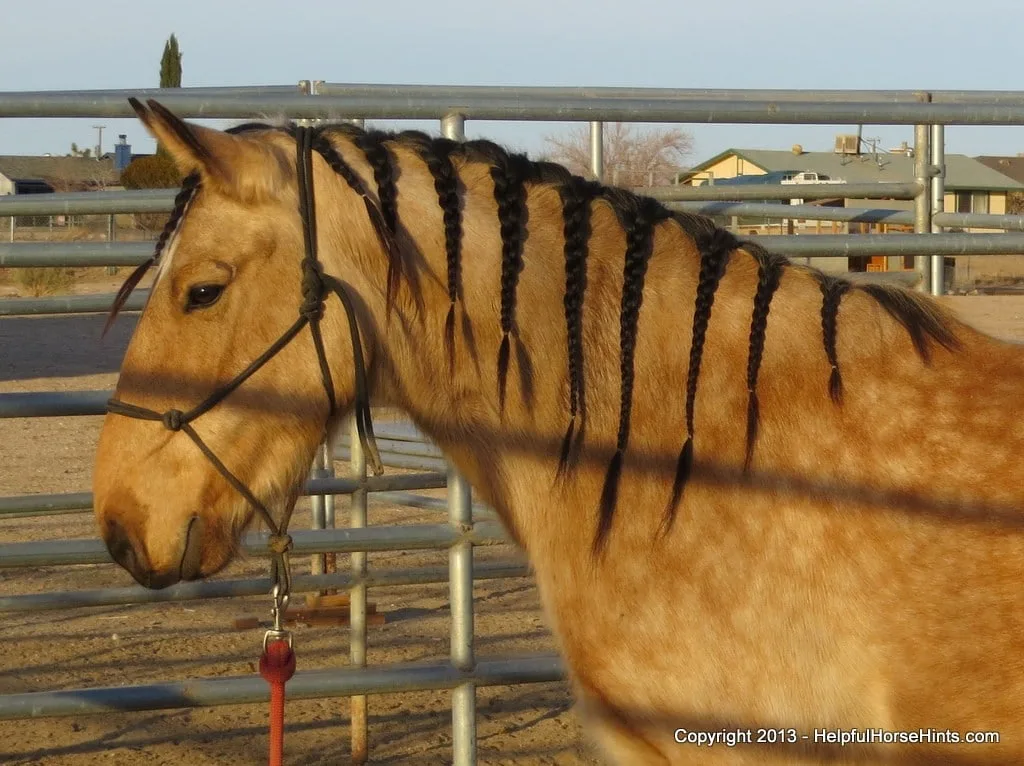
{"x": 971, "y": 186}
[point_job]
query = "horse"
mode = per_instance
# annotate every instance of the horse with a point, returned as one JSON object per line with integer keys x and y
{"x": 774, "y": 515}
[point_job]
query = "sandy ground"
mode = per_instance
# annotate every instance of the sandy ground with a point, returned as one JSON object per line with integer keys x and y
{"x": 530, "y": 724}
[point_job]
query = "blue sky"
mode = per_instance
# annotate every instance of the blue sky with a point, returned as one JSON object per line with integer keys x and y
{"x": 60, "y": 45}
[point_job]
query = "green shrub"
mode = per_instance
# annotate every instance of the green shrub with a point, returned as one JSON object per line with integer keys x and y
{"x": 156, "y": 171}
{"x": 40, "y": 281}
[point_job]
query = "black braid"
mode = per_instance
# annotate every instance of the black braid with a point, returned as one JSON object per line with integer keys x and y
{"x": 832, "y": 291}
{"x": 437, "y": 153}
{"x": 576, "y": 196}
{"x": 446, "y": 184}
{"x": 338, "y": 164}
{"x": 510, "y": 194}
{"x": 377, "y": 155}
{"x": 647, "y": 213}
{"x": 769, "y": 273}
{"x": 189, "y": 187}
{"x": 715, "y": 250}
{"x": 188, "y": 191}
{"x": 384, "y": 234}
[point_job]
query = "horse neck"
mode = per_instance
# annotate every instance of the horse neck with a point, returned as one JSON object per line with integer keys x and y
{"x": 509, "y": 450}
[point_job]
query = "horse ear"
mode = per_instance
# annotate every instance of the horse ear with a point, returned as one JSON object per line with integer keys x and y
{"x": 237, "y": 166}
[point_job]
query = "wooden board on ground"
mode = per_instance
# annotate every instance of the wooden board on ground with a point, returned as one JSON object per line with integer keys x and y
{"x": 319, "y": 610}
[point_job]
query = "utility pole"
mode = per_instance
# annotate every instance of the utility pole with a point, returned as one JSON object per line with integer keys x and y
{"x": 99, "y": 144}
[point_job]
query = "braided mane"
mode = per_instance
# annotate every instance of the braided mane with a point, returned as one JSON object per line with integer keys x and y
{"x": 513, "y": 176}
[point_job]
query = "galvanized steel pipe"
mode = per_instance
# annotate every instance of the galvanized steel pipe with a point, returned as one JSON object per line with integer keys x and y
{"x": 316, "y": 684}
{"x": 460, "y": 588}
{"x": 209, "y": 589}
{"x": 496, "y": 106}
{"x": 410, "y": 537}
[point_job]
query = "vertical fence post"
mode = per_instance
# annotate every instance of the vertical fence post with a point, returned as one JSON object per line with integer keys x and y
{"x": 327, "y": 459}
{"x": 453, "y": 126}
{"x": 938, "y": 194}
{"x": 317, "y": 509}
{"x": 460, "y": 577}
{"x": 597, "y": 150}
{"x": 460, "y": 587}
{"x": 111, "y": 236}
{"x": 310, "y": 88}
{"x": 922, "y": 202}
{"x": 357, "y": 598}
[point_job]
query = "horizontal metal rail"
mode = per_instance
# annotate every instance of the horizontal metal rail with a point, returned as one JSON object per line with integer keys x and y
{"x": 162, "y": 200}
{"x": 393, "y": 460}
{"x": 622, "y": 107}
{"x": 314, "y": 684}
{"x": 979, "y": 221}
{"x": 257, "y": 586}
{"x": 70, "y": 304}
{"x": 127, "y": 254}
{"x": 305, "y": 541}
{"x": 28, "y": 506}
{"x": 412, "y": 448}
{"x": 731, "y": 193}
{"x": 836, "y": 245}
{"x": 44, "y": 254}
{"x": 45, "y": 504}
{"x": 52, "y": 404}
{"x": 518, "y": 92}
{"x": 776, "y": 211}
{"x": 330, "y": 486}
{"x": 393, "y": 483}
{"x": 89, "y": 203}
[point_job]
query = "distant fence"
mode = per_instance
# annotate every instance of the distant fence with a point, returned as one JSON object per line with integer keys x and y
{"x": 467, "y": 525}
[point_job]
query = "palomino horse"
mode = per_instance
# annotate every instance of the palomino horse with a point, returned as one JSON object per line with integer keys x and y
{"x": 764, "y": 506}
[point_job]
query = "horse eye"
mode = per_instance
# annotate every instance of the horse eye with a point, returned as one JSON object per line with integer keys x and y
{"x": 201, "y": 296}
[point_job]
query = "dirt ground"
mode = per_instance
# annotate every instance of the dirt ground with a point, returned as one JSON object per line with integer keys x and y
{"x": 529, "y": 724}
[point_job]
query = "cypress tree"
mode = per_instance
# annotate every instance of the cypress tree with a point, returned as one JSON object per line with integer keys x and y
{"x": 170, "y": 64}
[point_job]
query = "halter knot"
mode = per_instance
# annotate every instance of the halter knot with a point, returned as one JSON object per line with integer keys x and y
{"x": 313, "y": 291}
{"x": 173, "y": 420}
{"x": 279, "y": 544}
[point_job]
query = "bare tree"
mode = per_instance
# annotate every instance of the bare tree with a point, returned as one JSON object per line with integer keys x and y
{"x": 632, "y": 156}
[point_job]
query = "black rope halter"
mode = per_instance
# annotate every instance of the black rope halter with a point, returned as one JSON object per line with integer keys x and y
{"x": 315, "y": 287}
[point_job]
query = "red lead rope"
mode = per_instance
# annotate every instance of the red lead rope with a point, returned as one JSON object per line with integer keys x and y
{"x": 277, "y": 665}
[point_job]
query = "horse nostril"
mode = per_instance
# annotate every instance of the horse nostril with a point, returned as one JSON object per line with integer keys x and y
{"x": 121, "y": 549}
{"x": 192, "y": 555}
{"x": 134, "y": 559}
{"x": 119, "y": 546}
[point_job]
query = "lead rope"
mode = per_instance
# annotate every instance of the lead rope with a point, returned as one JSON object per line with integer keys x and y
{"x": 277, "y": 663}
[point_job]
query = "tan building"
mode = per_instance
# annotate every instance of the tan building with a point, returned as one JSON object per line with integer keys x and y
{"x": 972, "y": 186}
